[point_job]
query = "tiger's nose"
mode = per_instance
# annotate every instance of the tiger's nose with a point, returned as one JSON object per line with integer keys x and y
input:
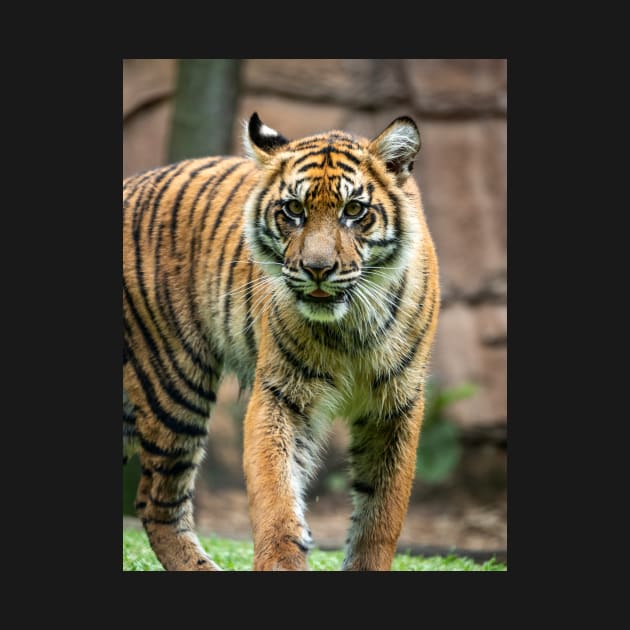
{"x": 319, "y": 271}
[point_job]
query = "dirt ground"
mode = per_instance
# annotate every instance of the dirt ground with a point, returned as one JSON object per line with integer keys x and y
{"x": 442, "y": 522}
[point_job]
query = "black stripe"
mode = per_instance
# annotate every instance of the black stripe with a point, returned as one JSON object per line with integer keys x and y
{"x": 310, "y": 165}
{"x": 267, "y": 250}
{"x": 378, "y": 242}
{"x": 203, "y": 393}
{"x": 192, "y": 304}
{"x": 213, "y": 193}
{"x": 327, "y": 336}
{"x": 142, "y": 204}
{"x": 300, "y": 545}
{"x": 146, "y": 472}
{"x": 345, "y": 167}
{"x": 249, "y": 322}
{"x": 128, "y": 194}
{"x": 230, "y": 279}
{"x": 154, "y": 449}
{"x": 149, "y": 171}
{"x": 171, "y": 504}
{"x": 364, "y": 488}
{"x": 158, "y": 198}
{"x": 219, "y": 217}
{"x": 384, "y": 186}
{"x": 348, "y": 155}
{"x": 140, "y": 277}
{"x": 266, "y": 231}
{"x": 393, "y": 415}
{"x": 397, "y": 301}
{"x": 394, "y": 306}
{"x": 160, "y": 521}
{"x": 140, "y": 208}
{"x": 304, "y": 370}
{"x": 402, "y": 365}
{"x": 163, "y": 416}
{"x": 380, "y": 210}
{"x": 259, "y": 210}
{"x": 138, "y": 179}
{"x": 305, "y": 145}
{"x": 198, "y": 360}
{"x": 282, "y": 397}
{"x": 175, "y": 469}
{"x": 327, "y": 150}
{"x": 140, "y": 505}
{"x": 180, "y": 196}
{"x": 357, "y": 250}
{"x": 389, "y": 257}
{"x": 397, "y": 413}
{"x": 202, "y": 189}
{"x": 160, "y": 368}
{"x": 364, "y": 225}
{"x": 320, "y": 151}
{"x": 408, "y": 356}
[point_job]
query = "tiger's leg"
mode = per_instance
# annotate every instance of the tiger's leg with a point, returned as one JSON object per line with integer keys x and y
{"x": 279, "y": 454}
{"x": 170, "y": 447}
{"x": 164, "y": 503}
{"x": 383, "y": 458}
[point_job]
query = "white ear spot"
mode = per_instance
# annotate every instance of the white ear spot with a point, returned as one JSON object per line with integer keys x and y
{"x": 267, "y": 131}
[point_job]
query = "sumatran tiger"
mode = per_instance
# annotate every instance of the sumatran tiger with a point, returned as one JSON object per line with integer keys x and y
{"x": 307, "y": 269}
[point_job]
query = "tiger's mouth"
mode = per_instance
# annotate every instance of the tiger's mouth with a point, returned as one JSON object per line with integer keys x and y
{"x": 320, "y": 296}
{"x": 319, "y": 305}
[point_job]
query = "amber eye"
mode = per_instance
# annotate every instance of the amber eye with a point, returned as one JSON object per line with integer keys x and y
{"x": 293, "y": 209}
{"x": 353, "y": 209}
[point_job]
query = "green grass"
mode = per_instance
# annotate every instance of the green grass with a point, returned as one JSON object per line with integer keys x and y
{"x": 233, "y": 555}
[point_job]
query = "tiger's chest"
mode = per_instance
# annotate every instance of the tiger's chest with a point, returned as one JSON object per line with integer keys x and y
{"x": 327, "y": 384}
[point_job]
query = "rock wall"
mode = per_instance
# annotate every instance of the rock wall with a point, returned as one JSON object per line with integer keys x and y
{"x": 460, "y": 106}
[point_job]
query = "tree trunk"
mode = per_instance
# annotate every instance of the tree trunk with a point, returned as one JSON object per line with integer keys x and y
{"x": 205, "y": 102}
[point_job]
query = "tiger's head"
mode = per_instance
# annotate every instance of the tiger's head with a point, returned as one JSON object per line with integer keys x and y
{"x": 334, "y": 216}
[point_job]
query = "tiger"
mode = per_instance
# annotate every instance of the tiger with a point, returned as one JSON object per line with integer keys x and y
{"x": 306, "y": 268}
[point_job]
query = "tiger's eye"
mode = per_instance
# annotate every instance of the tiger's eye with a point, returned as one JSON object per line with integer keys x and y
{"x": 294, "y": 208}
{"x": 353, "y": 209}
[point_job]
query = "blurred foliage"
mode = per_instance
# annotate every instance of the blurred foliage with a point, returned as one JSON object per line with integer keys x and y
{"x": 131, "y": 478}
{"x": 440, "y": 446}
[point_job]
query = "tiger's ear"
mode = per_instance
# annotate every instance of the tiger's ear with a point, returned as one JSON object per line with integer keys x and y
{"x": 260, "y": 141}
{"x": 397, "y": 146}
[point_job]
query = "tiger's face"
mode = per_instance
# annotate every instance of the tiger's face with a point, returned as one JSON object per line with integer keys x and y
{"x": 330, "y": 217}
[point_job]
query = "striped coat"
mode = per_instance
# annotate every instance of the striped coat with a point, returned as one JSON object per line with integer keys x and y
{"x": 307, "y": 269}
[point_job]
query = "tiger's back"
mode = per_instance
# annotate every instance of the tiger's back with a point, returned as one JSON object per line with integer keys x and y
{"x": 308, "y": 270}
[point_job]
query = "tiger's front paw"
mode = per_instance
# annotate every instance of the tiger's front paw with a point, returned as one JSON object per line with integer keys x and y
{"x": 286, "y": 554}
